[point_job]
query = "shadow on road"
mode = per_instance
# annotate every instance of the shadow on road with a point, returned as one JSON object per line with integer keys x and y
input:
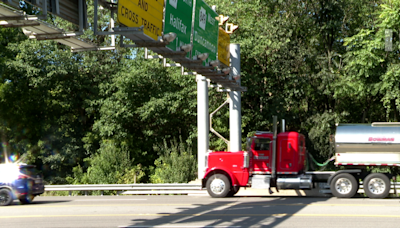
{"x": 231, "y": 212}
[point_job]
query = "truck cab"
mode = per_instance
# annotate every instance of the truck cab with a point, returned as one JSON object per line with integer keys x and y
{"x": 228, "y": 171}
{"x": 290, "y": 154}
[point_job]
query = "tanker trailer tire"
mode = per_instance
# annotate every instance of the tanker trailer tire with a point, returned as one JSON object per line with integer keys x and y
{"x": 344, "y": 185}
{"x": 218, "y": 186}
{"x": 377, "y": 186}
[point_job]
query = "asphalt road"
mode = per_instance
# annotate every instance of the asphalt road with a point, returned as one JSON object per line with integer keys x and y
{"x": 201, "y": 211}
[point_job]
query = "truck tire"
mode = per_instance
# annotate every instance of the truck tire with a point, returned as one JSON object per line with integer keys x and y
{"x": 344, "y": 185}
{"x": 377, "y": 186}
{"x": 218, "y": 186}
{"x": 233, "y": 191}
{"x": 5, "y": 197}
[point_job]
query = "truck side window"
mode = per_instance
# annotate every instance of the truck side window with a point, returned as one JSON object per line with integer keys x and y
{"x": 261, "y": 143}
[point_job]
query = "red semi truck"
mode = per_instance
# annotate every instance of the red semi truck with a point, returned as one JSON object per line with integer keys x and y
{"x": 279, "y": 161}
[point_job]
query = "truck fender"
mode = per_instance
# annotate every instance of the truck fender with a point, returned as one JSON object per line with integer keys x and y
{"x": 215, "y": 170}
{"x": 351, "y": 171}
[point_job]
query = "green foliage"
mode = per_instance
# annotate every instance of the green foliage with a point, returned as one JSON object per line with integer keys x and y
{"x": 319, "y": 135}
{"x": 371, "y": 70}
{"x": 176, "y": 163}
{"x": 133, "y": 175}
{"x": 109, "y": 165}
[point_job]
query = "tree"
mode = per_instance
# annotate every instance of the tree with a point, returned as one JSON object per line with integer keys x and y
{"x": 372, "y": 71}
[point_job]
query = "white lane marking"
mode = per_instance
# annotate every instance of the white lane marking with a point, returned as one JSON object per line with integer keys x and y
{"x": 107, "y": 199}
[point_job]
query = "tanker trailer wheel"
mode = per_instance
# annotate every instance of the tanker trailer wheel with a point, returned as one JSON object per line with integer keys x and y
{"x": 344, "y": 185}
{"x": 377, "y": 186}
{"x": 218, "y": 186}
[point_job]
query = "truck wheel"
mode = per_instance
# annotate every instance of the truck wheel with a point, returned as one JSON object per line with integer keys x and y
{"x": 5, "y": 197}
{"x": 218, "y": 186}
{"x": 233, "y": 191}
{"x": 377, "y": 186}
{"x": 344, "y": 185}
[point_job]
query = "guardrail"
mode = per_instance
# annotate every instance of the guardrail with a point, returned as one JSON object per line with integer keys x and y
{"x": 145, "y": 189}
{"x": 129, "y": 188}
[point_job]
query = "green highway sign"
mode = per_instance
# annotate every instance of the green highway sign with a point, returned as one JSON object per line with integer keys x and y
{"x": 178, "y": 19}
{"x": 205, "y": 34}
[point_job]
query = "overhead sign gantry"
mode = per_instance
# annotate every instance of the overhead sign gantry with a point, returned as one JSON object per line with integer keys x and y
{"x": 185, "y": 31}
{"x": 188, "y": 35}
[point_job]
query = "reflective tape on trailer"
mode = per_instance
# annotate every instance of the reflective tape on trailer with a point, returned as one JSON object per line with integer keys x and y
{"x": 260, "y": 172}
{"x": 268, "y": 172}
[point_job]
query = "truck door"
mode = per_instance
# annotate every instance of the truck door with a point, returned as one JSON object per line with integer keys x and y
{"x": 286, "y": 157}
{"x": 261, "y": 154}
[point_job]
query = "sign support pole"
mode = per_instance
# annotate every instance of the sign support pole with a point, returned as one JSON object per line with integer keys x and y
{"x": 203, "y": 125}
{"x": 235, "y": 115}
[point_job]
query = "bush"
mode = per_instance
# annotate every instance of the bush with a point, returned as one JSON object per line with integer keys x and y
{"x": 112, "y": 165}
{"x": 176, "y": 163}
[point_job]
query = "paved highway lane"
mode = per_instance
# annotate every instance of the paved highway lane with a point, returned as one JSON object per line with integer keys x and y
{"x": 201, "y": 211}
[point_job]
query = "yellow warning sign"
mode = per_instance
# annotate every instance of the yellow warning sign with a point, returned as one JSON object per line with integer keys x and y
{"x": 146, "y": 13}
{"x": 223, "y": 47}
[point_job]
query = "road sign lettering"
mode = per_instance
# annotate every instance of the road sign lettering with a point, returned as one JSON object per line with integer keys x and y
{"x": 132, "y": 16}
{"x": 150, "y": 26}
{"x": 146, "y": 13}
{"x": 143, "y": 4}
{"x": 211, "y": 20}
{"x": 204, "y": 42}
{"x": 176, "y": 22}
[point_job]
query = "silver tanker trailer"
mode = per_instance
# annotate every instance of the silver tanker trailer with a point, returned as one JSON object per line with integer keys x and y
{"x": 358, "y": 146}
